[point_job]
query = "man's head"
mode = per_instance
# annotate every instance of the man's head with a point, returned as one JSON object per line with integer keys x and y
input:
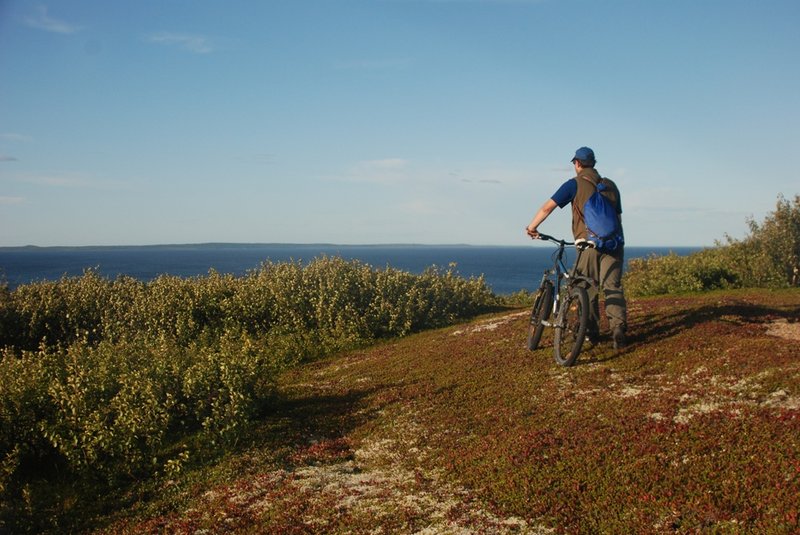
{"x": 585, "y": 157}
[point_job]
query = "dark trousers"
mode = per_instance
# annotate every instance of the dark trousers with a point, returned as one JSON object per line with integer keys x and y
{"x": 607, "y": 270}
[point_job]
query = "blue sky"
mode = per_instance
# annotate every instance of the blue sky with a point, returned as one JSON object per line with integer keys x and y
{"x": 389, "y": 121}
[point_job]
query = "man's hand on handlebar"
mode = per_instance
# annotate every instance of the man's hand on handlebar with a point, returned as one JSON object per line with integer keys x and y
{"x": 533, "y": 233}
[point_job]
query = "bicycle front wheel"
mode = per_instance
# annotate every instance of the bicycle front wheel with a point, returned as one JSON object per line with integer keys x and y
{"x": 573, "y": 316}
{"x": 542, "y": 306}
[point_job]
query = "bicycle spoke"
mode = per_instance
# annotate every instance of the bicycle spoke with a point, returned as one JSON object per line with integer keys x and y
{"x": 571, "y": 327}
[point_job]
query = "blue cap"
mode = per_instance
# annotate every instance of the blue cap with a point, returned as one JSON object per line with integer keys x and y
{"x": 584, "y": 154}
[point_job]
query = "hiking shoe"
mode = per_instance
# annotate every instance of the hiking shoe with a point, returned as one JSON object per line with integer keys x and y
{"x": 619, "y": 337}
{"x": 593, "y": 334}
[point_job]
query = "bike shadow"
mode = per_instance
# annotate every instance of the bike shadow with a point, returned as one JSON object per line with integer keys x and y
{"x": 659, "y": 326}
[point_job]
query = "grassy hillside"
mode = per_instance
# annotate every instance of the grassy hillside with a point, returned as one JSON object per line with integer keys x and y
{"x": 694, "y": 427}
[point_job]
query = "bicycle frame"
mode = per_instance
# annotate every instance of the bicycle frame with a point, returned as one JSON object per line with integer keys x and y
{"x": 560, "y": 272}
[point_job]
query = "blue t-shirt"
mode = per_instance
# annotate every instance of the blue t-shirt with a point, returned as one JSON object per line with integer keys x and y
{"x": 566, "y": 193}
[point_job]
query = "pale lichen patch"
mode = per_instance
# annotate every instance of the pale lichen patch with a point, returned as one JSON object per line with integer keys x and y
{"x": 783, "y": 329}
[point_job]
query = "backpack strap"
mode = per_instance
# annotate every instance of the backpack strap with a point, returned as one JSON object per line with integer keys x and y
{"x": 604, "y": 189}
{"x": 590, "y": 181}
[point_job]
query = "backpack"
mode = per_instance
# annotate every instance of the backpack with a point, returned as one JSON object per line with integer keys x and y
{"x": 603, "y": 226}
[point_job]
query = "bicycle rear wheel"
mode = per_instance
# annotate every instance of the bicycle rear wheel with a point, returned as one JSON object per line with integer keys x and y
{"x": 573, "y": 316}
{"x": 542, "y": 306}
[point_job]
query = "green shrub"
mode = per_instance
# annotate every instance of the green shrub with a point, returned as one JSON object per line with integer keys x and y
{"x": 9, "y": 322}
{"x": 103, "y": 376}
{"x": 654, "y": 275}
{"x": 768, "y": 258}
{"x": 774, "y": 246}
{"x": 111, "y": 404}
{"x": 24, "y": 404}
{"x": 224, "y": 384}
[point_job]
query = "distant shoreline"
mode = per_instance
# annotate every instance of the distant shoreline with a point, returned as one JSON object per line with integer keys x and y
{"x": 506, "y": 268}
{"x": 249, "y": 245}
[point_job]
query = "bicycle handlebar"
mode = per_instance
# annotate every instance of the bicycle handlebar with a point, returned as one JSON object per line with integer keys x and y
{"x": 581, "y": 243}
{"x": 547, "y": 237}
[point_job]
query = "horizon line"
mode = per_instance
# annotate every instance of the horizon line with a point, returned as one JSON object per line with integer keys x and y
{"x": 305, "y": 244}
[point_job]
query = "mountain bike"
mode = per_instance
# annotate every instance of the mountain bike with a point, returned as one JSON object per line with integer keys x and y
{"x": 562, "y": 295}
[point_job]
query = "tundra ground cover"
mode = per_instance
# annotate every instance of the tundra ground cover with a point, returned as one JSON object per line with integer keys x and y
{"x": 695, "y": 427}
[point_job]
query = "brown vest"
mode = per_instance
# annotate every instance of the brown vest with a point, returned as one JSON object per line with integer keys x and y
{"x": 587, "y": 181}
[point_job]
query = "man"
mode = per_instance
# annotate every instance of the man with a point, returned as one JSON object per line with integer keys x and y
{"x": 606, "y": 268}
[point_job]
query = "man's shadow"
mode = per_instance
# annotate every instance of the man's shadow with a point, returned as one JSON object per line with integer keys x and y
{"x": 656, "y": 326}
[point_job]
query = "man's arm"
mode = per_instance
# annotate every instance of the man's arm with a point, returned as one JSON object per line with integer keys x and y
{"x": 546, "y": 209}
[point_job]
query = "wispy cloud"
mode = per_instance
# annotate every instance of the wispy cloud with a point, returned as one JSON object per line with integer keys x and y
{"x": 457, "y": 175}
{"x": 475, "y": 1}
{"x": 59, "y": 181}
{"x": 382, "y": 171}
{"x": 372, "y": 64}
{"x": 4, "y": 158}
{"x": 74, "y": 181}
{"x": 11, "y": 200}
{"x": 523, "y": 2}
{"x": 41, "y": 20}
{"x": 10, "y": 136}
{"x": 197, "y": 44}
{"x": 387, "y": 163}
{"x": 670, "y": 201}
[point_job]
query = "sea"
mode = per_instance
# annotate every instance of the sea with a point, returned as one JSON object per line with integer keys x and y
{"x": 506, "y": 269}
